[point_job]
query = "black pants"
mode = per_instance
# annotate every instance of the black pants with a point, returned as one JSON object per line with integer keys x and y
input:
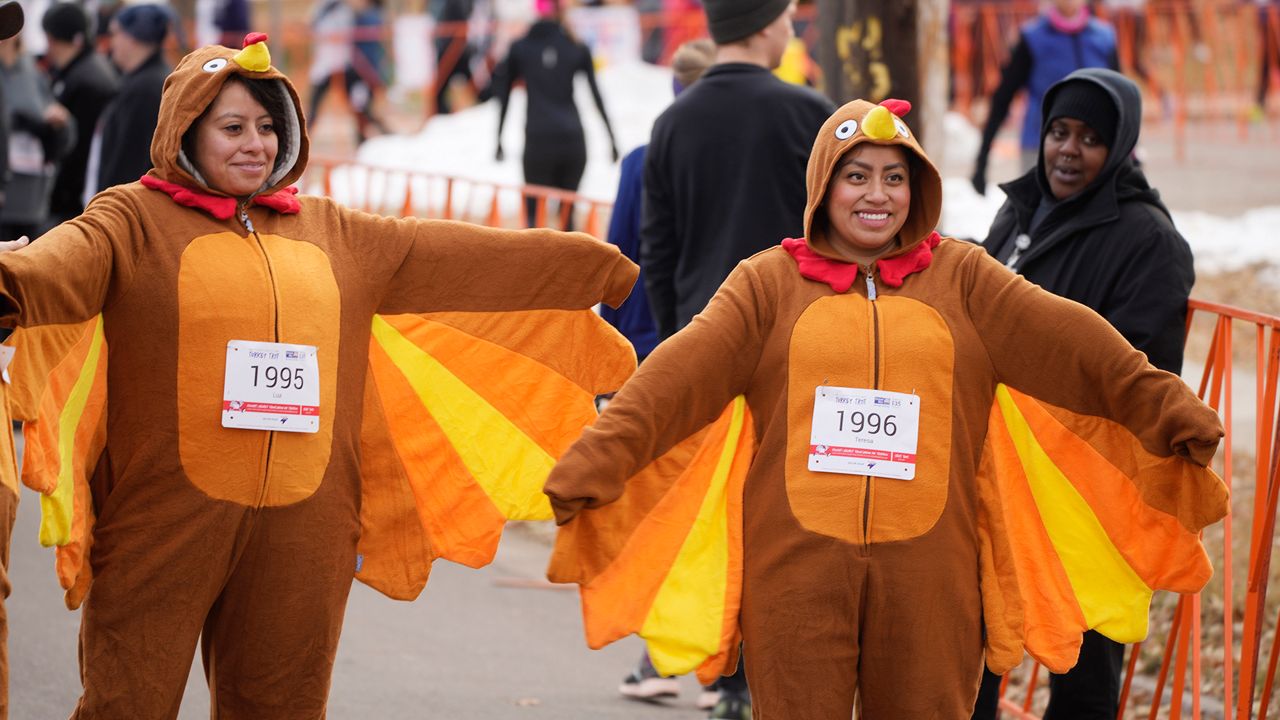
{"x": 735, "y": 683}
{"x": 557, "y": 163}
{"x": 1088, "y": 691}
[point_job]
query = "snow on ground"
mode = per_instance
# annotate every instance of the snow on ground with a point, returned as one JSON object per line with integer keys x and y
{"x": 463, "y": 145}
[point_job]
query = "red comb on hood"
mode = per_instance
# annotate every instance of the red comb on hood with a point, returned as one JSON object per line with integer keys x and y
{"x": 897, "y": 107}
{"x": 254, "y": 37}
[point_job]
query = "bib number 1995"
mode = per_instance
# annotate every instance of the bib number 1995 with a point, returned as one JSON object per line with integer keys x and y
{"x": 271, "y": 386}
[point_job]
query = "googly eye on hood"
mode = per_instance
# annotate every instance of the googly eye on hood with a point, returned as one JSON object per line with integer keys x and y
{"x": 860, "y": 122}
{"x": 192, "y": 87}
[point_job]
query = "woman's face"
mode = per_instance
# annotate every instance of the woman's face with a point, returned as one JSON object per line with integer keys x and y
{"x": 1073, "y": 156}
{"x": 236, "y": 143}
{"x": 867, "y": 201}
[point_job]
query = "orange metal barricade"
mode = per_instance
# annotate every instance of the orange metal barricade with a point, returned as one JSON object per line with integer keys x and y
{"x": 1184, "y": 644}
{"x": 405, "y": 193}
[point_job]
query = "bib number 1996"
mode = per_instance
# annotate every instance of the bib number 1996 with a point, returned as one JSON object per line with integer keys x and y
{"x": 857, "y": 431}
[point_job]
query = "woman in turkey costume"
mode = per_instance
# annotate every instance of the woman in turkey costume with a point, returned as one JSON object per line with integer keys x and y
{"x": 890, "y": 452}
{"x": 174, "y": 333}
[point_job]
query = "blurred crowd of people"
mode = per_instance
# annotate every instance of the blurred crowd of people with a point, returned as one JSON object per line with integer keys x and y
{"x": 79, "y": 117}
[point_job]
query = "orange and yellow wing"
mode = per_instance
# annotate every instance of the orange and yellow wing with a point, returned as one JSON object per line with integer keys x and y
{"x": 1080, "y": 525}
{"x": 664, "y": 561}
{"x": 465, "y": 415}
{"x": 59, "y": 391}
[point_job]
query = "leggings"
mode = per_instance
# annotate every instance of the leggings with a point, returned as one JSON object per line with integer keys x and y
{"x": 556, "y": 163}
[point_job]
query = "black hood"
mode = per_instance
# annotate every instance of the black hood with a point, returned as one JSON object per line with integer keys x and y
{"x": 1120, "y": 178}
{"x": 1128, "y": 104}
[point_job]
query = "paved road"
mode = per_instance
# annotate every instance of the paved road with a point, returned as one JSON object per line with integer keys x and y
{"x": 478, "y": 645}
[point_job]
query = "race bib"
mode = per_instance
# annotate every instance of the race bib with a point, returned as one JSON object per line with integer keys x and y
{"x": 864, "y": 432}
{"x": 271, "y": 386}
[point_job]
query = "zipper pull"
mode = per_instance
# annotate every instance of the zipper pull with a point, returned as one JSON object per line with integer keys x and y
{"x": 244, "y": 219}
{"x": 1020, "y": 244}
{"x": 871, "y": 286}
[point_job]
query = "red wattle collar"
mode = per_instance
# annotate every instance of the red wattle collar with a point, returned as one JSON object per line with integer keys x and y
{"x": 221, "y": 207}
{"x": 841, "y": 275}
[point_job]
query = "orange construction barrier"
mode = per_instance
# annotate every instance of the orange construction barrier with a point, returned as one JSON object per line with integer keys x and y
{"x": 1185, "y": 645}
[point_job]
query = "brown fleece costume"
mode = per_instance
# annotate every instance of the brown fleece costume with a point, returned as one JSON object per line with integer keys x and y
{"x": 246, "y": 539}
{"x": 853, "y": 584}
{"x": 8, "y": 514}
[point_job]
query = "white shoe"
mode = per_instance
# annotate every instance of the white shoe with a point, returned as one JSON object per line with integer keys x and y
{"x": 643, "y": 686}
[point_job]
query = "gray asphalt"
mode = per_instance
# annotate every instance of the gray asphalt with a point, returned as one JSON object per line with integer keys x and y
{"x": 483, "y": 644}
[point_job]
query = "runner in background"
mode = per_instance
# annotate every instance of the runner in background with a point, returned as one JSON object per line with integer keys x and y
{"x": 547, "y": 59}
{"x": 1062, "y": 39}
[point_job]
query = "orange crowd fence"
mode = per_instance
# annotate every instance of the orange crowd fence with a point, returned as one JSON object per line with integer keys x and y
{"x": 412, "y": 193}
{"x": 1216, "y": 636}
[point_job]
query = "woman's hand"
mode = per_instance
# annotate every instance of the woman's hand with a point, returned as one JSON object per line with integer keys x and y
{"x": 18, "y": 244}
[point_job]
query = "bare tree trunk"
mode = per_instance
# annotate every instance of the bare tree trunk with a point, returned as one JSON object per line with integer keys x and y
{"x": 878, "y": 49}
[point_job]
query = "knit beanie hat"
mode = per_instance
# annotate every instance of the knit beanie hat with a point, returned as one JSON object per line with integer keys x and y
{"x": 1087, "y": 102}
{"x": 64, "y": 21}
{"x": 145, "y": 23}
{"x": 10, "y": 20}
{"x": 732, "y": 20}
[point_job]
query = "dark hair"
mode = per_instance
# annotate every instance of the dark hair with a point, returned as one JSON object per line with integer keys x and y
{"x": 268, "y": 94}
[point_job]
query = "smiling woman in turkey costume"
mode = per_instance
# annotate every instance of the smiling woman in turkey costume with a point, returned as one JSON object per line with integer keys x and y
{"x": 231, "y": 309}
{"x": 874, "y": 438}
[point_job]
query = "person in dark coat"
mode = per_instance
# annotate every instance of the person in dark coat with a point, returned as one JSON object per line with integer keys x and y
{"x": 547, "y": 59}
{"x": 11, "y": 21}
{"x": 724, "y": 173}
{"x": 83, "y": 84}
{"x": 121, "y": 150}
{"x": 1085, "y": 224}
{"x": 35, "y": 146}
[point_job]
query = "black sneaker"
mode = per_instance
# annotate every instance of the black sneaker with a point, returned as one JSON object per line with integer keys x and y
{"x": 732, "y": 706}
{"x": 644, "y": 683}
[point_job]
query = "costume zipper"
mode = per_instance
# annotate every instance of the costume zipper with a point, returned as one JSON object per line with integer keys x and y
{"x": 275, "y": 322}
{"x": 875, "y": 385}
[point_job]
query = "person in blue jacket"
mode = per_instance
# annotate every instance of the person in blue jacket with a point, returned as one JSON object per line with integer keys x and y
{"x": 1059, "y": 41}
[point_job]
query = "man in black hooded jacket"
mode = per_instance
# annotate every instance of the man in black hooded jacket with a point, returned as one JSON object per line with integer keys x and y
{"x": 1086, "y": 225}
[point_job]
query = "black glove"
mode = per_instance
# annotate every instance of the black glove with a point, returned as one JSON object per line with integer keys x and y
{"x": 615, "y": 152}
{"x": 499, "y": 155}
